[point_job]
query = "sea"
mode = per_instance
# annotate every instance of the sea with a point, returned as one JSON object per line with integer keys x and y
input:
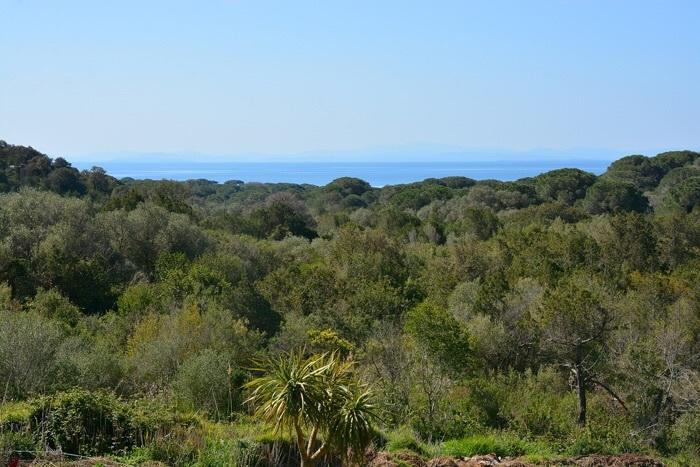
{"x": 320, "y": 173}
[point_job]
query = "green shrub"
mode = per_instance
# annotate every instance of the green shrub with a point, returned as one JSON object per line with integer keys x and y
{"x": 137, "y": 456}
{"x": 153, "y": 417}
{"x": 89, "y": 423}
{"x": 540, "y": 404}
{"x": 141, "y": 298}
{"x": 685, "y": 433}
{"x": 208, "y": 382}
{"x": 28, "y": 345}
{"x": 15, "y": 432}
{"x": 53, "y": 305}
{"x": 484, "y": 401}
{"x": 83, "y": 422}
{"x": 88, "y": 362}
{"x": 328, "y": 340}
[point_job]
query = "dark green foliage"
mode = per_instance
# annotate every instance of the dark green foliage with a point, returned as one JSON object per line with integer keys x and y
{"x": 639, "y": 171}
{"x": 645, "y": 173}
{"x": 564, "y": 185}
{"x": 457, "y": 182}
{"x": 280, "y": 216}
{"x": 632, "y": 246}
{"x": 127, "y": 200}
{"x": 614, "y": 196}
{"x": 546, "y": 213}
{"x": 65, "y": 180}
{"x": 17, "y": 445}
{"x": 686, "y": 194}
{"x": 676, "y": 176}
{"x": 25, "y": 166}
{"x": 51, "y": 304}
{"x": 348, "y": 186}
{"x": 415, "y": 196}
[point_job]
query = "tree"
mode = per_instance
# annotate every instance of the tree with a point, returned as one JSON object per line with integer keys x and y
{"x": 98, "y": 182}
{"x": 65, "y": 180}
{"x": 686, "y": 195}
{"x": 610, "y": 196}
{"x": 480, "y": 222}
{"x": 563, "y": 185}
{"x": 631, "y": 245}
{"x": 347, "y": 186}
{"x": 441, "y": 335}
{"x": 315, "y": 397}
{"x": 281, "y": 215}
{"x": 576, "y": 325}
{"x": 640, "y": 171}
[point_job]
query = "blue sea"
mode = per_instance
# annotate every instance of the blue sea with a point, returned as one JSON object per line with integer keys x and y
{"x": 321, "y": 173}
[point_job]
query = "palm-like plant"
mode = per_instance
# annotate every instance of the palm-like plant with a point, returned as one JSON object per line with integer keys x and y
{"x": 319, "y": 400}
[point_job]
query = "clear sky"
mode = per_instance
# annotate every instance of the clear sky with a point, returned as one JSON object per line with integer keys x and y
{"x": 227, "y": 77}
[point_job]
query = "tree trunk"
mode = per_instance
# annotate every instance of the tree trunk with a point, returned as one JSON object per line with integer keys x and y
{"x": 304, "y": 458}
{"x": 581, "y": 387}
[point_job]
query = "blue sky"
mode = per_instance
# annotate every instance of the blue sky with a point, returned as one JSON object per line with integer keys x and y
{"x": 91, "y": 79}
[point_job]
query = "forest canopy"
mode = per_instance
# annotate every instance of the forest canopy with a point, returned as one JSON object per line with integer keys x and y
{"x": 561, "y": 311}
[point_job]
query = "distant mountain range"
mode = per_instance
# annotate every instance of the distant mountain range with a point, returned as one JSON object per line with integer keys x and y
{"x": 409, "y": 153}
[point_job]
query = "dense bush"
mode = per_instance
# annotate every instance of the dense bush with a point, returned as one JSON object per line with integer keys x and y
{"x": 546, "y": 316}
{"x": 84, "y": 422}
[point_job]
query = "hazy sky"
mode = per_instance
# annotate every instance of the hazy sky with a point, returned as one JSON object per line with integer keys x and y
{"x": 254, "y": 76}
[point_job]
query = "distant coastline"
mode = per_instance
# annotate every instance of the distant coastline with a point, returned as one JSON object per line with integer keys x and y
{"x": 320, "y": 173}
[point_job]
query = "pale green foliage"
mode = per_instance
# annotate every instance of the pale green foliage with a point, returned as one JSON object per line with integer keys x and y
{"x": 28, "y": 344}
{"x": 208, "y": 381}
{"x": 89, "y": 362}
{"x": 160, "y": 343}
{"x": 51, "y": 304}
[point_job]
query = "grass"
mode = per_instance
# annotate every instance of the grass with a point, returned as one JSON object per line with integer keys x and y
{"x": 680, "y": 461}
{"x": 501, "y": 444}
{"x": 483, "y": 444}
{"x": 403, "y": 439}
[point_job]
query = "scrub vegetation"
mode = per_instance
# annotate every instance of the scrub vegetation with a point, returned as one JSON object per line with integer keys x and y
{"x": 202, "y": 323}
